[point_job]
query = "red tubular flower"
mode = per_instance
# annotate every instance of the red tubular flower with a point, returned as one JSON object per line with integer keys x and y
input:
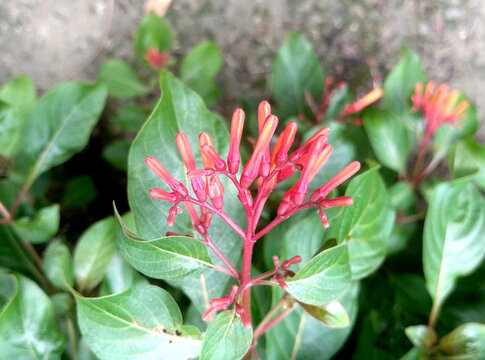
{"x": 340, "y": 201}
{"x": 233, "y": 158}
{"x": 294, "y": 260}
{"x": 362, "y": 103}
{"x": 211, "y": 159}
{"x": 155, "y": 58}
{"x": 438, "y": 107}
{"x": 280, "y": 153}
{"x": 323, "y": 218}
{"x": 251, "y": 169}
{"x": 287, "y": 202}
{"x": 163, "y": 174}
{"x": 324, "y": 131}
{"x": 264, "y": 110}
{"x": 338, "y": 179}
{"x": 163, "y": 195}
{"x": 188, "y": 159}
{"x": 242, "y": 314}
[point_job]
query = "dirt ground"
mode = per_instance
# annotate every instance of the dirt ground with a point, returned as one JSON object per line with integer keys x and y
{"x": 54, "y": 40}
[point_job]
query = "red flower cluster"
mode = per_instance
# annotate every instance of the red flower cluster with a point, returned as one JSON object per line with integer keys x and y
{"x": 155, "y": 58}
{"x": 439, "y": 106}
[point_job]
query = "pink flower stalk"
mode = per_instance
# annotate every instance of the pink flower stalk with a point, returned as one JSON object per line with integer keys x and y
{"x": 438, "y": 106}
{"x": 269, "y": 167}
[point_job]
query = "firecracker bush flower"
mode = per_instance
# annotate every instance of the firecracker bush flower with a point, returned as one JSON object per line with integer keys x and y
{"x": 262, "y": 172}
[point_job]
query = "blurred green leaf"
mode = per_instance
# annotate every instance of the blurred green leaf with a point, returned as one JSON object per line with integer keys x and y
{"x": 366, "y": 225}
{"x": 421, "y": 336}
{"x": 153, "y": 32}
{"x": 131, "y": 117}
{"x": 143, "y": 322}
{"x": 467, "y": 158}
{"x": 399, "y": 84}
{"x": 58, "y": 265}
{"x": 60, "y": 125}
{"x": 27, "y": 326}
{"x": 453, "y": 243}
{"x": 19, "y": 93}
{"x": 295, "y": 70}
{"x": 93, "y": 253}
{"x": 467, "y": 339}
{"x": 121, "y": 80}
{"x": 42, "y": 227}
{"x": 181, "y": 110}
{"x": 332, "y": 314}
{"x": 402, "y": 195}
{"x": 323, "y": 279}
{"x": 116, "y": 153}
{"x": 119, "y": 276}
{"x": 226, "y": 338}
{"x": 80, "y": 192}
{"x": 389, "y": 138}
{"x": 172, "y": 257}
{"x": 10, "y": 131}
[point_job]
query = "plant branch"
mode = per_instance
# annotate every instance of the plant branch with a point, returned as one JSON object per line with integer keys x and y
{"x": 263, "y": 325}
{"x": 232, "y": 270}
{"x": 5, "y": 213}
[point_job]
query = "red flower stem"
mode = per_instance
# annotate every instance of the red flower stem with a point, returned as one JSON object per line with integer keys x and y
{"x": 267, "y": 323}
{"x": 5, "y": 213}
{"x": 246, "y": 274}
{"x": 232, "y": 270}
{"x": 419, "y": 161}
{"x": 218, "y": 212}
{"x": 280, "y": 219}
{"x": 428, "y": 169}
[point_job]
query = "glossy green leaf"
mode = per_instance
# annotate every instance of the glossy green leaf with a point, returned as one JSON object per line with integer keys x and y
{"x": 43, "y": 226}
{"x": 366, "y": 225}
{"x": 332, "y": 314}
{"x": 467, "y": 339}
{"x": 153, "y": 32}
{"x": 119, "y": 276}
{"x": 10, "y": 131}
{"x": 295, "y": 70}
{"x": 116, "y": 153}
{"x": 60, "y": 124}
{"x": 402, "y": 195}
{"x": 323, "y": 279}
{"x": 27, "y": 326}
{"x": 171, "y": 257}
{"x": 421, "y": 336}
{"x": 299, "y": 336}
{"x": 453, "y": 243}
{"x": 93, "y": 253}
{"x": 121, "y": 80}
{"x": 19, "y": 93}
{"x": 389, "y": 138}
{"x": 226, "y": 338}
{"x": 131, "y": 117}
{"x": 413, "y": 354}
{"x": 399, "y": 84}
{"x": 58, "y": 265}
{"x": 80, "y": 192}
{"x": 181, "y": 110}
{"x": 143, "y": 322}
{"x": 469, "y": 158}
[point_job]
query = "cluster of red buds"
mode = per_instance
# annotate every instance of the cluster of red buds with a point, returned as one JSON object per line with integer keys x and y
{"x": 350, "y": 109}
{"x": 438, "y": 105}
{"x": 156, "y": 59}
{"x": 264, "y": 169}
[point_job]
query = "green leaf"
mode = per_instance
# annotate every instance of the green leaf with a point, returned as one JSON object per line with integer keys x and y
{"x": 116, "y": 153}
{"x": 121, "y": 80}
{"x": 60, "y": 124}
{"x": 119, "y": 276}
{"x": 295, "y": 70}
{"x": 143, "y": 322}
{"x": 41, "y": 228}
{"x": 402, "y": 195}
{"x": 389, "y": 138}
{"x": 299, "y": 336}
{"x": 58, "y": 265}
{"x": 131, "y": 117}
{"x": 332, "y": 314}
{"x": 453, "y": 243}
{"x": 413, "y": 354}
{"x": 366, "y": 225}
{"x": 80, "y": 192}
{"x": 467, "y": 158}
{"x": 172, "y": 257}
{"x": 199, "y": 67}
{"x": 27, "y": 326}
{"x": 467, "y": 339}
{"x": 154, "y": 32}
{"x": 399, "y": 84}
{"x": 93, "y": 253}
{"x": 10, "y": 131}
{"x": 181, "y": 110}
{"x": 19, "y": 93}
{"x": 226, "y": 338}
{"x": 323, "y": 279}
{"x": 421, "y": 336}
